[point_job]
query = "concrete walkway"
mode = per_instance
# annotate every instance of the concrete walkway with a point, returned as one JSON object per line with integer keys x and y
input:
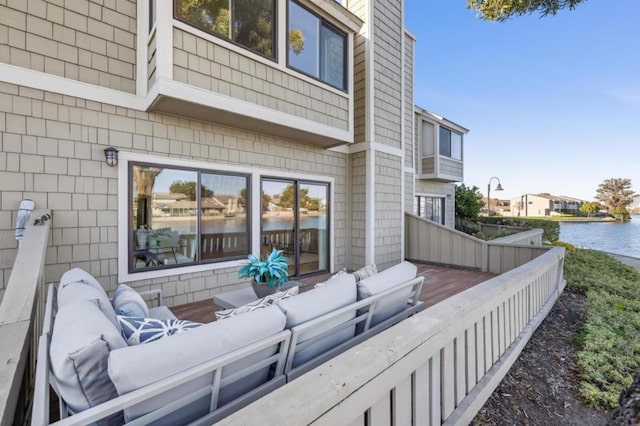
{"x": 628, "y": 260}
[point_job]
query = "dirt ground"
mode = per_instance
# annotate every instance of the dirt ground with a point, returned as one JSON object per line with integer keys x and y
{"x": 540, "y": 388}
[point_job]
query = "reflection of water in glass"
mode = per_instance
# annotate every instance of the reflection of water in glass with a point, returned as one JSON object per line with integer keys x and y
{"x": 620, "y": 238}
{"x": 237, "y": 224}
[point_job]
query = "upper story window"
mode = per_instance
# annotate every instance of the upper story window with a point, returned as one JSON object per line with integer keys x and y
{"x": 450, "y": 144}
{"x": 253, "y": 22}
{"x": 181, "y": 217}
{"x": 315, "y": 47}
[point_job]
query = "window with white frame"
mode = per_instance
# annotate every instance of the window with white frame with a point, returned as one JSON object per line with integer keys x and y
{"x": 431, "y": 208}
{"x": 450, "y": 144}
{"x": 186, "y": 216}
{"x": 249, "y": 23}
{"x": 315, "y": 47}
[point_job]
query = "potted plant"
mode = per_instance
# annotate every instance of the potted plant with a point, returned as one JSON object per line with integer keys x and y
{"x": 268, "y": 274}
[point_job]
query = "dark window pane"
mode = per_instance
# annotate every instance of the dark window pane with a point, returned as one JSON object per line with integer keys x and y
{"x": 445, "y": 142}
{"x": 304, "y": 34}
{"x": 224, "y": 216}
{"x": 211, "y": 15}
{"x": 253, "y": 24}
{"x": 332, "y": 57}
{"x": 456, "y": 146}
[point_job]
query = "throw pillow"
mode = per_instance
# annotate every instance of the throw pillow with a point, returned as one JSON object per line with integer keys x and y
{"x": 144, "y": 330}
{"x": 128, "y": 303}
{"x": 332, "y": 277}
{"x": 258, "y": 304}
{"x": 365, "y": 272}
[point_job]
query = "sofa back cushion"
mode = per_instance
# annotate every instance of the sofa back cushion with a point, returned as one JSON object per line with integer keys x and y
{"x": 133, "y": 367}
{"x": 80, "y": 343}
{"x": 385, "y": 280}
{"x": 332, "y": 295}
{"x": 77, "y": 284}
{"x": 128, "y": 302}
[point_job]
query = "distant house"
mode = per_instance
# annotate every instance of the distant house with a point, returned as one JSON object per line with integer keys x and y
{"x": 544, "y": 204}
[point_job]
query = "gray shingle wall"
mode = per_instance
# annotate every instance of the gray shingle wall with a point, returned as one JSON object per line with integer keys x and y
{"x": 52, "y": 152}
{"x": 409, "y": 139}
{"x": 83, "y": 40}
{"x": 358, "y": 170}
{"x": 388, "y": 213}
{"x": 212, "y": 67}
{"x": 388, "y": 33}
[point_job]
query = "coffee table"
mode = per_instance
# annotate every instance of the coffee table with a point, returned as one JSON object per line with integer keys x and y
{"x": 236, "y": 298}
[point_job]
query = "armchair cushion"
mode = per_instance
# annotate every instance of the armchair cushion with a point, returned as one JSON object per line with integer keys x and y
{"x": 385, "y": 280}
{"x": 128, "y": 302}
{"x": 80, "y": 344}
{"x": 365, "y": 272}
{"x": 70, "y": 292}
{"x": 334, "y": 294}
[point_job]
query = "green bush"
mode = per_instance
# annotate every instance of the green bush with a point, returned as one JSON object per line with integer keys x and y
{"x": 609, "y": 342}
{"x": 568, "y": 246}
{"x": 551, "y": 229}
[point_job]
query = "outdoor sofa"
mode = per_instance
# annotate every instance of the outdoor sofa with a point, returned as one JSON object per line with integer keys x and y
{"x": 203, "y": 374}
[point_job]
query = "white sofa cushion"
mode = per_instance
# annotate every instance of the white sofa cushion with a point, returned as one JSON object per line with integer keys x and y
{"x": 71, "y": 292}
{"x": 81, "y": 340}
{"x": 385, "y": 280}
{"x": 332, "y": 295}
{"x": 128, "y": 302}
{"x": 79, "y": 274}
{"x": 130, "y": 368}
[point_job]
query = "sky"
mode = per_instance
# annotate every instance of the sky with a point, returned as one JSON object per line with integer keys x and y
{"x": 552, "y": 104}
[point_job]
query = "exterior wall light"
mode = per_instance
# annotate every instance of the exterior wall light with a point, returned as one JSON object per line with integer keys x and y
{"x": 111, "y": 155}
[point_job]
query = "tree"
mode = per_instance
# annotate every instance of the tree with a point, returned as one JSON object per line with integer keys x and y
{"x": 590, "y": 208}
{"x": 616, "y": 194}
{"x": 189, "y": 189}
{"x": 468, "y": 202}
{"x": 502, "y": 10}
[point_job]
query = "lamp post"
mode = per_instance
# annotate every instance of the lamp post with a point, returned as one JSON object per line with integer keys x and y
{"x": 498, "y": 188}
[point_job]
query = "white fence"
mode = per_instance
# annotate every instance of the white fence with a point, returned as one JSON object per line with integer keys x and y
{"x": 437, "y": 367}
{"x": 427, "y": 241}
{"x": 21, "y": 315}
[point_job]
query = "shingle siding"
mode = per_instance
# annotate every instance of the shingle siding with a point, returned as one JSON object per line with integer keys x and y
{"x": 201, "y": 63}
{"x": 388, "y": 211}
{"x": 52, "y": 152}
{"x": 79, "y": 40}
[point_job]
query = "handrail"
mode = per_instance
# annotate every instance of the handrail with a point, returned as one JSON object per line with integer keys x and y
{"x": 437, "y": 367}
{"x": 21, "y": 317}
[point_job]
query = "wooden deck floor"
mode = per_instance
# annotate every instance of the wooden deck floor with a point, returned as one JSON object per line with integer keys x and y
{"x": 439, "y": 283}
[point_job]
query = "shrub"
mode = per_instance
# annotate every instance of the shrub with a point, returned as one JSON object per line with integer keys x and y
{"x": 551, "y": 229}
{"x": 567, "y": 246}
{"x": 609, "y": 342}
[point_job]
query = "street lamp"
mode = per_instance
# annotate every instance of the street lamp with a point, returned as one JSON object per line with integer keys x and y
{"x": 498, "y": 188}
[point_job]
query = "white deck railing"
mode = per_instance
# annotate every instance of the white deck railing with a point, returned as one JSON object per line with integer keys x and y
{"x": 21, "y": 315}
{"x": 437, "y": 367}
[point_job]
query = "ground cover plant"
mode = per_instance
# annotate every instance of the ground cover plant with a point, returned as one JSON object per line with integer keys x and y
{"x": 609, "y": 342}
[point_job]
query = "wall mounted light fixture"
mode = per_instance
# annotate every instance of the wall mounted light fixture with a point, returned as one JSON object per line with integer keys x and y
{"x": 111, "y": 155}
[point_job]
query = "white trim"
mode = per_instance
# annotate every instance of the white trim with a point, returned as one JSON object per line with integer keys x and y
{"x": 182, "y": 91}
{"x": 256, "y": 175}
{"x": 142, "y": 44}
{"x": 65, "y": 86}
{"x": 370, "y": 197}
{"x": 408, "y": 33}
{"x": 403, "y": 134}
{"x": 164, "y": 39}
{"x": 407, "y": 169}
{"x": 364, "y": 146}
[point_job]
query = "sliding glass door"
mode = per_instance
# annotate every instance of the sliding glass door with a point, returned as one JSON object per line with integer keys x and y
{"x": 295, "y": 219}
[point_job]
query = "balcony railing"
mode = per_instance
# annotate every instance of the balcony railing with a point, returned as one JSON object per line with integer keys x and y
{"x": 437, "y": 367}
{"x": 21, "y": 316}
